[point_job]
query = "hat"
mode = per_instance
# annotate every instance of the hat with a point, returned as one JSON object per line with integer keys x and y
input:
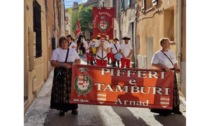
{"x": 116, "y": 39}
{"x": 126, "y": 38}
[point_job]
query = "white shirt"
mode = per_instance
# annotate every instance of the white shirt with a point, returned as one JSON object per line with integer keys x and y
{"x": 125, "y": 49}
{"x": 73, "y": 44}
{"x": 99, "y": 53}
{"x": 110, "y": 45}
{"x": 114, "y": 51}
{"x": 86, "y": 45}
{"x": 92, "y": 44}
{"x": 97, "y": 43}
{"x": 160, "y": 58}
{"x": 60, "y": 55}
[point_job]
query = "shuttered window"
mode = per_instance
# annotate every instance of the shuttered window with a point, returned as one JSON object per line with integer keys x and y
{"x": 37, "y": 27}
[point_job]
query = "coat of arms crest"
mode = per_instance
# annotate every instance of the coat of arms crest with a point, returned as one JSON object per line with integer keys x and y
{"x": 103, "y": 24}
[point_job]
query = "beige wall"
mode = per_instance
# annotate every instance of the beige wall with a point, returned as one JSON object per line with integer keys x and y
{"x": 107, "y": 3}
{"x": 51, "y": 29}
{"x": 35, "y": 69}
{"x": 183, "y": 49}
{"x": 163, "y": 21}
{"x": 127, "y": 17}
{"x": 68, "y": 23}
{"x": 155, "y": 27}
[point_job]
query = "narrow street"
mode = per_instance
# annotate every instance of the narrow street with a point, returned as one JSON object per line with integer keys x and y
{"x": 40, "y": 114}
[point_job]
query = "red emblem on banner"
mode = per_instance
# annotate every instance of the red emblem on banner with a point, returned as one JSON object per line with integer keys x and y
{"x": 83, "y": 84}
{"x": 164, "y": 101}
{"x": 101, "y": 97}
{"x": 103, "y": 24}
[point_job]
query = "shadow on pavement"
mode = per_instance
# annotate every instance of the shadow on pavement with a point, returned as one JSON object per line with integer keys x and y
{"x": 128, "y": 118}
{"x": 171, "y": 120}
{"x": 87, "y": 116}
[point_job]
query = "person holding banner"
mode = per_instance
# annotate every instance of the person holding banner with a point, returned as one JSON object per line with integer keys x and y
{"x": 165, "y": 59}
{"x": 102, "y": 48}
{"x": 116, "y": 56}
{"x": 126, "y": 51}
{"x": 62, "y": 59}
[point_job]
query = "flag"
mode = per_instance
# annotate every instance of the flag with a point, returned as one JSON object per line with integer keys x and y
{"x": 103, "y": 22}
{"x": 78, "y": 29}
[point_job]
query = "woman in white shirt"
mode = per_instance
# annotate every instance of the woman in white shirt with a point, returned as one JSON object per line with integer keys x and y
{"x": 62, "y": 59}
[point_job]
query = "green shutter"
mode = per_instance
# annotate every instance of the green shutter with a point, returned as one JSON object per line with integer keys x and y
{"x": 122, "y": 5}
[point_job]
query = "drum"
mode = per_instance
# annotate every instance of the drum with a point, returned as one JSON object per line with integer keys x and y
{"x": 117, "y": 56}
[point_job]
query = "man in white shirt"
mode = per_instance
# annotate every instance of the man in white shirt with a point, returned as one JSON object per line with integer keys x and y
{"x": 115, "y": 48}
{"x": 126, "y": 51}
{"x": 109, "y": 54}
{"x": 102, "y": 48}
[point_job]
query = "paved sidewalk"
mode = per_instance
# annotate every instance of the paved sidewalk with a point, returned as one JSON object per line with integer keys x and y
{"x": 38, "y": 111}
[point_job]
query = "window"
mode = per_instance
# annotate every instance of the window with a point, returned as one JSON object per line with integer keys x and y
{"x": 46, "y": 6}
{"x": 147, "y": 5}
{"x": 115, "y": 5}
{"x": 125, "y": 4}
{"x": 122, "y": 5}
{"x": 37, "y": 27}
{"x": 53, "y": 43}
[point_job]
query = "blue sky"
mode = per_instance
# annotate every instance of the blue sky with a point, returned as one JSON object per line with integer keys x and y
{"x": 69, "y": 3}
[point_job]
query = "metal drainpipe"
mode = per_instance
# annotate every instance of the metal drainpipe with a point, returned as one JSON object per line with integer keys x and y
{"x": 179, "y": 35}
{"x": 54, "y": 27}
{"x": 62, "y": 18}
{"x": 119, "y": 21}
{"x": 135, "y": 30}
